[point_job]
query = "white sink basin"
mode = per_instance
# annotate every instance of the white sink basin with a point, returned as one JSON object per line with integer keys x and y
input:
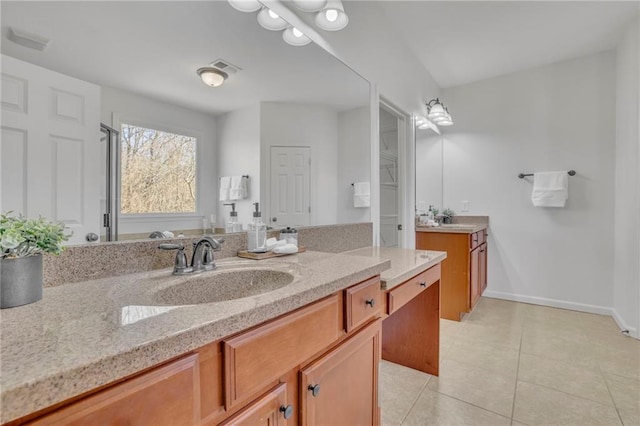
{"x": 220, "y": 286}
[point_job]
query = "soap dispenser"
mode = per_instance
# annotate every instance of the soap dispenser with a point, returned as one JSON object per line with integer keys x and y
{"x": 257, "y": 235}
{"x": 232, "y": 224}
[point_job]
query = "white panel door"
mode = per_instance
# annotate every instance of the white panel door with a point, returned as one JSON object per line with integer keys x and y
{"x": 49, "y": 151}
{"x": 290, "y": 186}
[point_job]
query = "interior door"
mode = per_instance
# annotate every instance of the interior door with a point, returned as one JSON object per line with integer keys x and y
{"x": 50, "y": 147}
{"x": 290, "y": 186}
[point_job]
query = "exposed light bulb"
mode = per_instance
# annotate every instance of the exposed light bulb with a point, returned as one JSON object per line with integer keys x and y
{"x": 297, "y": 32}
{"x": 273, "y": 14}
{"x": 331, "y": 15}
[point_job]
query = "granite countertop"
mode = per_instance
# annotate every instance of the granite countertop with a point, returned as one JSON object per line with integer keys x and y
{"x": 405, "y": 263}
{"x": 458, "y": 228}
{"x": 84, "y": 335}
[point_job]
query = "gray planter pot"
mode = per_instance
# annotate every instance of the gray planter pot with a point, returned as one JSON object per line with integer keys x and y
{"x": 20, "y": 281}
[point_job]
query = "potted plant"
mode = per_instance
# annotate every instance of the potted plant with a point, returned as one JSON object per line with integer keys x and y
{"x": 22, "y": 242}
{"x": 448, "y": 215}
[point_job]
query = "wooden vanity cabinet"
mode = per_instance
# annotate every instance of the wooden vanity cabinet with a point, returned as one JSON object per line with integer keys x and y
{"x": 166, "y": 395}
{"x": 261, "y": 376}
{"x": 464, "y": 271}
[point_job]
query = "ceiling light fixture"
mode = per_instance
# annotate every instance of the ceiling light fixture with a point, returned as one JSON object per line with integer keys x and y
{"x": 270, "y": 20}
{"x": 438, "y": 113}
{"x": 310, "y": 5}
{"x": 245, "y": 5}
{"x": 332, "y": 17}
{"x": 212, "y": 76}
{"x": 295, "y": 37}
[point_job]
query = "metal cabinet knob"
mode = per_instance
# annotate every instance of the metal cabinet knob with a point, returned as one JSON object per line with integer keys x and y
{"x": 287, "y": 411}
{"x": 274, "y": 219}
{"x": 315, "y": 389}
{"x": 370, "y": 302}
{"x": 423, "y": 284}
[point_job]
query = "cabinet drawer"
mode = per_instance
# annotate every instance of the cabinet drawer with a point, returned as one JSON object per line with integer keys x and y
{"x": 402, "y": 294}
{"x": 482, "y": 237}
{"x": 167, "y": 395}
{"x": 269, "y": 410}
{"x": 362, "y": 303}
{"x": 256, "y": 359}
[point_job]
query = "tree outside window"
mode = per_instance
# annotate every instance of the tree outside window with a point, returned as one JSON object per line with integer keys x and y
{"x": 158, "y": 171}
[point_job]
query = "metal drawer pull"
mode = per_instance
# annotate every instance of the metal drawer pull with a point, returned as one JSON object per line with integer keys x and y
{"x": 423, "y": 284}
{"x": 287, "y": 411}
{"x": 370, "y": 302}
{"x": 315, "y": 389}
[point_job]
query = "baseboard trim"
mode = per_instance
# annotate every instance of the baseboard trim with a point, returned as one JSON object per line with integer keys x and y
{"x": 633, "y": 332}
{"x": 554, "y": 303}
{"x": 581, "y": 307}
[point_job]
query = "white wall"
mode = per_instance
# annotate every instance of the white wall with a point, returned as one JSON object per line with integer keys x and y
{"x": 626, "y": 297}
{"x": 556, "y": 117}
{"x": 239, "y": 154}
{"x": 164, "y": 116}
{"x": 315, "y": 126}
{"x": 354, "y": 159}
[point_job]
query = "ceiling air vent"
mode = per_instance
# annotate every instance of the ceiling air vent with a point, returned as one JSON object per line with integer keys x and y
{"x": 225, "y": 66}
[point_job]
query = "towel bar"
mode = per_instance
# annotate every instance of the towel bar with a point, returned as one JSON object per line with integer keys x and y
{"x": 522, "y": 175}
{"x": 244, "y": 176}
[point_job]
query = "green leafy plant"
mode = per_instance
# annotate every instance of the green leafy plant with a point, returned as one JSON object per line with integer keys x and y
{"x": 21, "y": 237}
{"x": 448, "y": 212}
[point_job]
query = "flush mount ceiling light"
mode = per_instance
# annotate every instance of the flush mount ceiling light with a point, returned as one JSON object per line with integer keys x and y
{"x": 295, "y": 37}
{"x": 212, "y": 76}
{"x": 438, "y": 113}
{"x": 310, "y": 5}
{"x": 270, "y": 20}
{"x": 245, "y": 5}
{"x": 332, "y": 17}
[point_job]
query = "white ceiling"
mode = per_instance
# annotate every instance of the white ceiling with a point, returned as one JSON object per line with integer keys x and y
{"x": 154, "y": 49}
{"x": 461, "y": 42}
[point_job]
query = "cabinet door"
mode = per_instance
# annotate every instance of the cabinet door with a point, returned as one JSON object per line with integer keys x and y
{"x": 167, "y": 395}
{"x": 269, "y": 410}
{"x": 341, "y": 388}
{"x": 482, "y": 265}
{"x": 475, "y": 276}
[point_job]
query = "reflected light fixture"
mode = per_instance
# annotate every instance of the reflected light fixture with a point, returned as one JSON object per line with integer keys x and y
{"x": 295, "y": 37}
{"x": 270, "y": 20}
{"x": 438, "y": 113}
{"x": 310, "y": 5}
{"x": 212, "y": 76}
{"x": 332, "y": 17}
{"x": 245, "y": 5}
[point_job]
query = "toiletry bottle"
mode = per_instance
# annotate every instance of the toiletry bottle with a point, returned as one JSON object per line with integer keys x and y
{"x": 232, "y": 222}
{"x": 430, "y": 215}
{"x": 257, "y": 235}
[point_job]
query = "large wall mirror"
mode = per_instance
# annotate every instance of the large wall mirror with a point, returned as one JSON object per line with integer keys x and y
{"x": 429, "y": 170}
{"x": 296, "y": 109}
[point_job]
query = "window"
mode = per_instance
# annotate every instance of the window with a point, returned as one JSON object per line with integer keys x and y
{"x": 158, "y": 171}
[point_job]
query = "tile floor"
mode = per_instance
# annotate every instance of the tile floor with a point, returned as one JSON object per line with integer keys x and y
{"x": 511, "y": 363}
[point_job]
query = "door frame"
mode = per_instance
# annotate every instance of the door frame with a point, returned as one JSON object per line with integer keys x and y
{"x": 406, "y": 187}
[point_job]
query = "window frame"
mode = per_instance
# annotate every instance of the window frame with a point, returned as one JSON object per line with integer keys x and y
{"x": 118, "y": 120}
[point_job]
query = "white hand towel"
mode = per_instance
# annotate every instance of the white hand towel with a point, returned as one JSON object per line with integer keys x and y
{"x": 225, "y": 186}
{"x": 550, "y": 189}
{"x": 238, "y": 190}
{"x": 361, "y": 194}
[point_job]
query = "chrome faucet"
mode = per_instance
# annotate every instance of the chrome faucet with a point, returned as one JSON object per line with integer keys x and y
{"x": 201, "y": 260}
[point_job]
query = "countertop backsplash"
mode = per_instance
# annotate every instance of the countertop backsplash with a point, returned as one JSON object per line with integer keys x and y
{"x": 93, "y": 261}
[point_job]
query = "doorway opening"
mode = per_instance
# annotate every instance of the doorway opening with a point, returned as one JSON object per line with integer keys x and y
{"x": 392, "y": 136}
